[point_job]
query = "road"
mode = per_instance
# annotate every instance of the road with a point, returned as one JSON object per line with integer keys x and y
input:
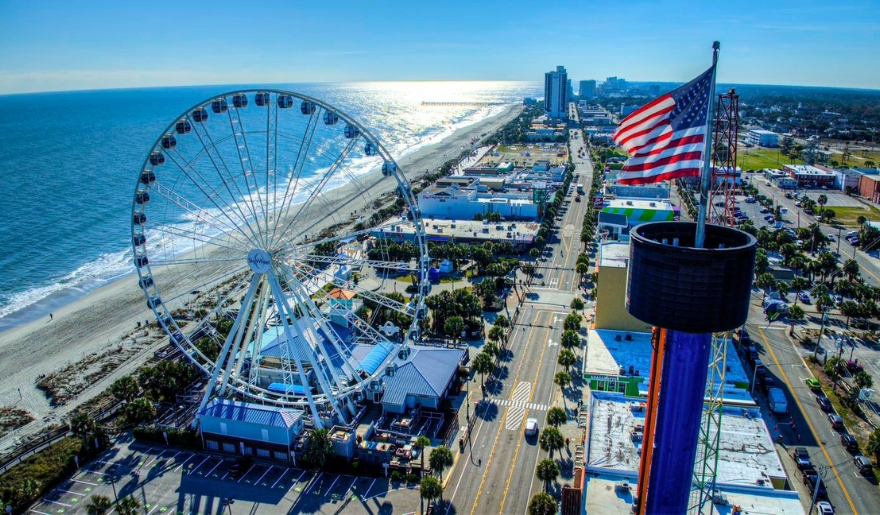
{"x": 496, "y": 472}
{"x": 848, "y": 490}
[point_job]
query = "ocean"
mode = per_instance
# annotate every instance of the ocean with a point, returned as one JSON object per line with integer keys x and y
{"x": 69, "y": 162}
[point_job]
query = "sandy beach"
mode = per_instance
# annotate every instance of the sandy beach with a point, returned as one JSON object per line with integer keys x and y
{"x": 103, "y": 324}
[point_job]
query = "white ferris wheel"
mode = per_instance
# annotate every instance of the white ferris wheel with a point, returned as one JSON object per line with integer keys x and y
{"x": 261, "y": 228}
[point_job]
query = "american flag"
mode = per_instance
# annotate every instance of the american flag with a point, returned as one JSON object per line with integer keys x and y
{"x": 666, "y": 138}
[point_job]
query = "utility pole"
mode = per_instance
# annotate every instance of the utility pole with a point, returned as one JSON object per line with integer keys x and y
{"x": 819, "y": 338}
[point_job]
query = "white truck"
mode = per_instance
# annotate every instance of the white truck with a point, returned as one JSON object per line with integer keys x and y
{"x": 778, "y": 403}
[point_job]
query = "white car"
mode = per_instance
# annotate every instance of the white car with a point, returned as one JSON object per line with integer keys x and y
{"x": 824, "y": 508}
{"x": 531, "y": 426}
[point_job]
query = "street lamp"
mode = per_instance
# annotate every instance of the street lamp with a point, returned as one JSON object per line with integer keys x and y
{"x": 228, "y": 504}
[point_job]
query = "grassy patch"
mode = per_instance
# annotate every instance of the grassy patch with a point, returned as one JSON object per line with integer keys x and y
{"x": 847, "y": 216}
{"x": 25, "y": 482}
{"x": 12, "y": 418}
{"x": 759, "y": 158}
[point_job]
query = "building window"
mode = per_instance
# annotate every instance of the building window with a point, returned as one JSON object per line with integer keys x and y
{"x": 211, "y": 445}
{"x": 223, "y": 428}
{"x": 263, "y": 453}
{"x": 228, "y": 447}
{"x": 249, "y": 451}
{"x": 280, "y": 455}
{"x": 265, "y": 434}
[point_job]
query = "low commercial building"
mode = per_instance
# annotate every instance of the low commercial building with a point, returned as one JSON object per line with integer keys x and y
{"x": 611, "y": 266}
{"x": 641, "y": 211}
{"x": 458, "y": 203}
{"x": 420, "y": 380}
{"x": 520, "y": 234}
{"x": 810, "y": 176}
{"x": 869, "y": 187}
{"x": 250, "y": 429}
{"x": 762, "y": 138}
{"x": 749, "y": 472}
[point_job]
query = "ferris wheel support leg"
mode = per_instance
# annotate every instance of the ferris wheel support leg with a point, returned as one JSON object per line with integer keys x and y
{"x": 285, "y": 311}
{"x": 233, "y": 335}
{"x": 306, "y": 303}
{"x": 255, "y": 321}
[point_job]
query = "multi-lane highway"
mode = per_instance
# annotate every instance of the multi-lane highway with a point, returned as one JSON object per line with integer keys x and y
{"x": 496, "y": 472}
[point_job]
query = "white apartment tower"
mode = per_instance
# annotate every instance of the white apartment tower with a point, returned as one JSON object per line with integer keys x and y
{"x": 556, "y": 93}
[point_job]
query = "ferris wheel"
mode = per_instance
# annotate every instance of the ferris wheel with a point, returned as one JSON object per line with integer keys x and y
{"x": 262, "y": 227}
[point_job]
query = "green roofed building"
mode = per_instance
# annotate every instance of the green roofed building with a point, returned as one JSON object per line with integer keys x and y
{"x": 639, "y": 211}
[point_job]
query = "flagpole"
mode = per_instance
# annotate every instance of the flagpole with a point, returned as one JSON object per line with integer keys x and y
{"x": 706, "y": 177}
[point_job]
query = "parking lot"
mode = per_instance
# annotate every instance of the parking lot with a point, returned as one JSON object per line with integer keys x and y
{"x": 168, "y": 480}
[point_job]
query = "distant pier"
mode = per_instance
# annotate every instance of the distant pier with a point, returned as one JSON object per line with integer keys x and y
{"x": 463, "y": 104}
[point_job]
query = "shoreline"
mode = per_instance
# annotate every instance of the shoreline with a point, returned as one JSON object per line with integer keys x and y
{"x": 102, "y": 318}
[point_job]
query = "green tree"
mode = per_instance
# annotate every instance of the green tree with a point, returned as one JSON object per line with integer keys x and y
{"x": 861, "y": 220}
{"x": 82, "y": 424}
{"x": 799, "y": 284}
{"x": 453, "y": 327}
{"x": 562, "y": 380}
{"x": 873, "y": 447}
{"x": 125, "y": 388}
{"x": 547, "y": 471}
{"x": 491, "y": 348}
{"x": 99, "y": 505}
{"x": 577, "y": 304}
{"x": 570, "y": 339}
{"x": 863, "y": 379}
{"x": 430, "y": 489}
{"x": 128, "y": 506}
{"x": 319, "y": 447}
{"x": 483, "y": 364}
{"x": 766, "y": 282}
{"x": 441, "y": 458}
{"x": 551, "y": 440}
{"x": 140, "y": 411}
{"x": 822, "y": 199}
{"x": 566, "y": 358}
{"x": 849, "y": 309}
{"x": 422, "y": 443}
{"x": 796, "y": 313}
{"x": 502, "y": 321}
{"x": 556, "y": 416}
{"x": 543, "y": 504}
{"x": 851, "y": 269}
{"x": 496, "y": 334}
{"x": 572, "y": 322}
{"x": 534, "y": 252}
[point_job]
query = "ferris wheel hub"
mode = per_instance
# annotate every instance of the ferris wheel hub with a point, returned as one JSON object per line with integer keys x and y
{"x": 259, "y": 260}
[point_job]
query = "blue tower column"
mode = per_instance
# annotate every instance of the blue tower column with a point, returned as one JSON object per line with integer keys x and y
{"x": 686, "y": 293}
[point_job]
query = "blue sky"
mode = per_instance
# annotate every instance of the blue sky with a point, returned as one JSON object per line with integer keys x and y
{"x": 73, "y": 44}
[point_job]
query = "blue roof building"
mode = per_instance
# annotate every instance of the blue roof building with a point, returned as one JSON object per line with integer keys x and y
{"x": 245, "y": 428}
{"x": 422, "y": 379}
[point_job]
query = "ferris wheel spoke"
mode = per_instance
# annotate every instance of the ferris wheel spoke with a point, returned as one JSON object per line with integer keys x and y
{"x": 226, "y": 208}
{"x": 195, "y": 261}
{"x": 201, "y": 216}
{"x": 298, "y": 165}
{"x": 248, "y": 168}
{"x": 203, "y": 285}
{"x": 237, "y": 246}
{"x": 211, "y": 149}
{"x": 359, "y": 263}
{"x": 317, "y": 220}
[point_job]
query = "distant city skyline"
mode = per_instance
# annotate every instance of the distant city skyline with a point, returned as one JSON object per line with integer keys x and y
{"x": 52, "y": 46}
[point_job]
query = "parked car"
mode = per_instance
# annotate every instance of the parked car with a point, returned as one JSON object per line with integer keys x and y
{"x": 764, "y": 210}
{"x": 241, "y": 466}
{"x": 787, "y": 194}
{"x": 836, "y": 421}
{"x": 797, "y": 204}
{"x": 849, "y": 442}
{"x": 801, "y": 457}
{"x": 813, "y": 383}
{"x": 854, "y": 366}
{"x": 760, "y": 369}
{"x": 750, "y": 200}
{"x": 863, "y": 464}
{"x": 824, "y": 508}
{"x": 804, "y": 297}
{"x": 811, "y": 480}
{"x": 823, "y": 402}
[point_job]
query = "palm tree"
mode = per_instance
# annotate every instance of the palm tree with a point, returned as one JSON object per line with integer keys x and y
{"x": 821, "y": 200}
{"x": 491, "y": 348}
{"x": 572, "y": 322}
{"x": 861, "y": 220}
{"x": 562, "y": 379}
{"x": 128, "y": 506}
{"x": 430, "y": 489}
{"x": 851, "y": 269}
{"x": 570, "y": 339}
{"x": 453, "y": 327}
{"x": 547, "y": 471}
{"x": 483, "y": 365}
{"x": 551, "y": 440}
{"x": 556, "y": 416}
{"x": 82, "y": 424}
{"x": 125, "y": 389}
{"x": 140, "y": 411}
{"x": 441, "y": 457}
{"x": 577, "y": 304}
{"x": 502, "y": 321}
{"x": 319, "y": 447}
{"x": 582, "y": 269}
{"x": 496, "y": 334}
{"x": 99, "y": 505}
{"x": 798, "y": 284}
{"x": 421, "y": 444}
{"x": 766, "y": 282}
{"x": 544, "y": 504}
{"x": 566, "y": 358}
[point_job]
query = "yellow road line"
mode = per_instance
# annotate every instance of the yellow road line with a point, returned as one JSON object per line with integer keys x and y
{"x": 521, "y": 436}
{"x": 503, "y": 420}
{"x": 807, "y": 419}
